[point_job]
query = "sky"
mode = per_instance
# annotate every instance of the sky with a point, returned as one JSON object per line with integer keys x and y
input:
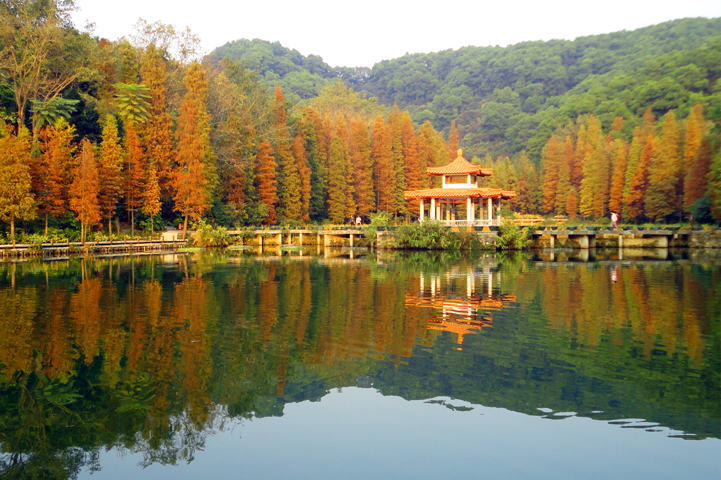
{"x": 355, "y": 34}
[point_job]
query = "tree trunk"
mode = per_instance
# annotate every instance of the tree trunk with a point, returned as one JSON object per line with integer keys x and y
{"x": 46, "y": 224}
{"x": 185, "y": 226}
{"x": 132, "y": 223}
{"x": 110, "y": 226}
{"x": 12, "y": 227}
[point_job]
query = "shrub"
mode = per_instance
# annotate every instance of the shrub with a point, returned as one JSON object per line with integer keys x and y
{"x": 207, "y": 236}
{"x": 511, "y": 237}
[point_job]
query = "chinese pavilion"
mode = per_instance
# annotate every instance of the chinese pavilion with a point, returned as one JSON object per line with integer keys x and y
{"x": 460, "y": 186}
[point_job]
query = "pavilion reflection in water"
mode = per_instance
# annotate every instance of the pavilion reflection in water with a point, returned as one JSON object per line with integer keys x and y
{"x": 465, "y": 297}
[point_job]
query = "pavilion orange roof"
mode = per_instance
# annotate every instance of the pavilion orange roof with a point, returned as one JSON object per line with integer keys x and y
{"x": 459, "y": 193}
{"x": 459, "y": 166}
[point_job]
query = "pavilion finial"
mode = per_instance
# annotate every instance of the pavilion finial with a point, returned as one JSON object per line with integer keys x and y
{"x": 460, "y": 153}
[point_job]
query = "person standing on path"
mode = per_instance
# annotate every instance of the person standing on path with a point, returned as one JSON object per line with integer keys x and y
{"x": 614, "y": 220}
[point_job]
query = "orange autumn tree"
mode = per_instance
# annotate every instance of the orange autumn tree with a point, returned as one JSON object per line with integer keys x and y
{"x": 639, "y": 182}
{"x": 572, "y": 204}
{"x": 134, "y": 172}
{"x": 192, "y": 182}
{"x": 300, "y": 156}
{"x": 619, "y": 174}
{"x": 564, "y": 176}
{"x": 84, "y": 190}
{"x": 383, "y": 174}
{"x": 16, "y": 199}
{"x": 289, "y": 185}
{"x": 410, "y": 160}
{"x": 266, "y": 182}
{"x": 551, "y": 160}
{"x": 360, "y": 152}
{"x": 158, "y": 130}
{"x": 110, "y": 175}
{"x": 51, "y": 169}
{"x": 453, "y": 141}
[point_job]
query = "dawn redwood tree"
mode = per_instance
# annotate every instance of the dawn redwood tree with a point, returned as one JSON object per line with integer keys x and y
{"x": 84, "y": 190}
{"x": 134, "y": 173}
{"x": 634, "y": 157}
{"x": 551, "y": 159}
{"x": 620, "y": 159}
{"x": 592, "y": 163}
{"x": 637, "y": 190}
{"x": 337, "y": 186}
{"x": 694, "y": 134}
{"x": 266, "y": 182}
{"x": 579, "y": 155}
{"x": 564, "y": 176}
{"x": 393, "y": 126}
{"x": 158, "y": 130}
{"x": 51, "y": 172}
{"x": 151, "y": 194}
{"x": 300, "y": 157}
{"x": 193, "y": 178}
{"x": 361, "y": 160}
{"x": 698, "y": 174}
{"x": 453, "y": 141}
{"x": 16, "y": 198}
{"x": 410, "y": 160}
{"x": 572, "y": 204}
{"x": 289, "y": 185}
{"x": 383, "y": 173}
{"x": 110, "y": 171}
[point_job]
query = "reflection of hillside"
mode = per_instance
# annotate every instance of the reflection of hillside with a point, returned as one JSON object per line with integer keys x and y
{"x": 156, "y": 349}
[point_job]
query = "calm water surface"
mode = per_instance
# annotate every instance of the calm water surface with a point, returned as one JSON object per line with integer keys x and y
{"x": 421, "y": 365}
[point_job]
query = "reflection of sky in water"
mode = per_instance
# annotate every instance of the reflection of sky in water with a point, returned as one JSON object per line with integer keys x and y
{"x": 358, "y": 433}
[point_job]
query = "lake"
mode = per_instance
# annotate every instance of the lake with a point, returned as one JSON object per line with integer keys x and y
{"x": 362, "y": 365}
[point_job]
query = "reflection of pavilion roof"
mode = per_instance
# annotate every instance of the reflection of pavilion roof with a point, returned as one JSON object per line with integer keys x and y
{"x": 459, "y": 193}
{"x": 460, "y": 314}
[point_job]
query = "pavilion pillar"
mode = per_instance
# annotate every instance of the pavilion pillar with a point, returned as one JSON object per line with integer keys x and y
{"x": 423, "y": 209}
{"x": 490, "y": 212}
{"x": 469, "y": 210}
{"x": 433, "y": 209}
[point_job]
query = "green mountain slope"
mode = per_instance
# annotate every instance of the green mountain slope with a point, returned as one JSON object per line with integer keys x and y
{"x": 508, "y": 99}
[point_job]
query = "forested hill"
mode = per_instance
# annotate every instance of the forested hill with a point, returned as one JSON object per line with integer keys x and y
{"x": 508, "y": 99}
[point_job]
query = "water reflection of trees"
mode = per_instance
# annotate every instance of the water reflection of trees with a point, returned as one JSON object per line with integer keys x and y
{"x": 154, "y": 356}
